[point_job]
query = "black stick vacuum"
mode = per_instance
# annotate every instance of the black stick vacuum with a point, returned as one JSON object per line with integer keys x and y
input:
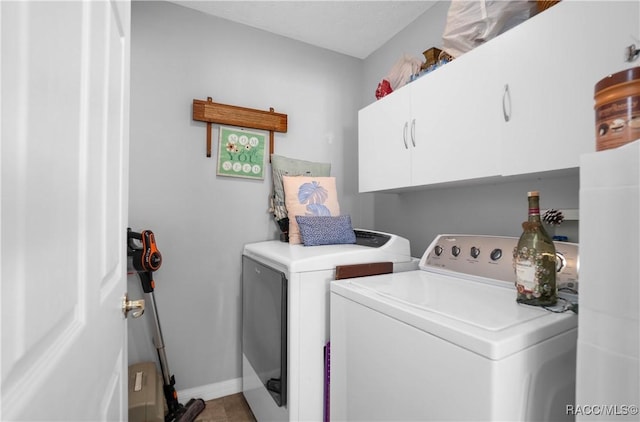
{"x": 147, "y": 259}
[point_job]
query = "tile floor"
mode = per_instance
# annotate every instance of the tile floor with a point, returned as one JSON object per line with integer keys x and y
{"x": 233, "y": 408}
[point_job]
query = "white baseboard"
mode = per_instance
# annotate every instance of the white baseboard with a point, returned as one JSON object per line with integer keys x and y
{"x": 211, "y": 391}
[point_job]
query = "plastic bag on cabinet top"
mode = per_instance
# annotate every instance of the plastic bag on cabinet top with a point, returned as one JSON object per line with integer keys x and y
{"x": 400, "y": 73}
{"x": 472, "y": 23}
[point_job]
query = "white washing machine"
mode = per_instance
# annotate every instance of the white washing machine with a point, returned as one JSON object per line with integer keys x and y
{"x": 285, "y": 319}
{"x": 449, "y": 342}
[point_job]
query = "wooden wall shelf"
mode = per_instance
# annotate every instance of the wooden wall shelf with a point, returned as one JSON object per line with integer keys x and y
{"x": 210, "y": 112}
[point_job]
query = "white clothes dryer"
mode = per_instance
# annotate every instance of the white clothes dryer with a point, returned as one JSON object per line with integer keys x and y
{"x": 285, "y": 319}
{"x": 449, "y": 341}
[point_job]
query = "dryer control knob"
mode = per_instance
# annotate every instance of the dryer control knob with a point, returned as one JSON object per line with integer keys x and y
{"x": 496, "y": 254}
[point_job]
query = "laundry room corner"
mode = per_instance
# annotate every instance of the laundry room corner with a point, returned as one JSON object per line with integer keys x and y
{"x": 201, "y": 221}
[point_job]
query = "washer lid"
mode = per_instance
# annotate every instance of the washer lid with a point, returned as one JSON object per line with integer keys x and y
{"x": 480, "y": 317}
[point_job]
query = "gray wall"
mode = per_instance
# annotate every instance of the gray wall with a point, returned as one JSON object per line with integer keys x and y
{"x": 492, "y": 209}
{"x": 201, "y": 221}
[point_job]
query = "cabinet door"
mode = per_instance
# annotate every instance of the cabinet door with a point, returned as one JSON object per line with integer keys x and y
{"x": 551, "y": 64}
{"x": 383, "y": 143}
{"x": 456, "y": 121}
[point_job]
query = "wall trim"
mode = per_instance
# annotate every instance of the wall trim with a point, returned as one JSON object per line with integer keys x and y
{"x": 211, "y": 391}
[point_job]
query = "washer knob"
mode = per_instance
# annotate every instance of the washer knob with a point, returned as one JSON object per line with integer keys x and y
{"x": 455, "y": 250}
{"x": 438, "y": 250}
{"x": 475, "y": 252}
{"x": 496, "y": 254}
{"x": 561, "y": 262}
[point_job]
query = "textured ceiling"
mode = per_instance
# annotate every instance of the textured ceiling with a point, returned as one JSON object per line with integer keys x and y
{"x": 354, "y": 28}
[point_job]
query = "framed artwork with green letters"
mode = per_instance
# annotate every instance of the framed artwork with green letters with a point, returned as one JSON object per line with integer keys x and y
{"x": 241, "y": 153}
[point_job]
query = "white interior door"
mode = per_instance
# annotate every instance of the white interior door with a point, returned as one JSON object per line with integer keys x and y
{"x": 65, "y": 129}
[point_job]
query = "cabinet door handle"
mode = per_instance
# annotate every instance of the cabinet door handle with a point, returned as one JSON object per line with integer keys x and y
{"x": 506, "y": 96}
{"x": 404, "y": 135}
{"x": 413, "y": 132}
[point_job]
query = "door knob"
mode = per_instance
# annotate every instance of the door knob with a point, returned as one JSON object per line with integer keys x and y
{"x": 137, "y": 306}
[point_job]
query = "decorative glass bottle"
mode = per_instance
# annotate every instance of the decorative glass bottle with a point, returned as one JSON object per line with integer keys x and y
{"x": 535, "y": 260}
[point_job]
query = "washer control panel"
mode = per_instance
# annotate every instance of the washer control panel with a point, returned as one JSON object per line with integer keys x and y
{"x": 491, "y": 257}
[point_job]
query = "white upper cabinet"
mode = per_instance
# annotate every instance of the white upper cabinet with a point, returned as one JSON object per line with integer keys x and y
{"x": 551, "y": 64}
{"x": 439, "y": 128}
{"x": 384, "y": 158}
{"x": 455, "y": 122}
{"x": 521, "y": 103}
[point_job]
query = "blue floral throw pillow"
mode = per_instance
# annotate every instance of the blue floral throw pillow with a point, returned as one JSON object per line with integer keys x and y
{"x": 326, "y": 230}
